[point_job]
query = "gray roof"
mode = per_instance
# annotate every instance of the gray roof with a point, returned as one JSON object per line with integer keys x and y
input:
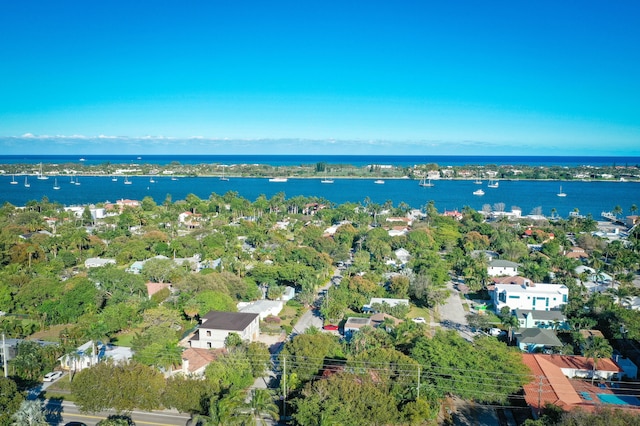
{"x": 541, "y": 315}
{"x": 538, "y": 336}
{"x": 499, "y": 263}
{"x": 234, "y": 321}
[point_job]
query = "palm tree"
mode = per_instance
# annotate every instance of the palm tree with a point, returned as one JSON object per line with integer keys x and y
{"x": 616, "y": 211}
{"x": 261, "y": 405}
{"x": 224, "y": 411}
{"x": 597, "y": 347}
{"x": 30, "y": 413}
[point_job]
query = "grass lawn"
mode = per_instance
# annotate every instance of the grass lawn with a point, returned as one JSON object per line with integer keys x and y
{"x": 124, "y": 338}
{"x": 51, "y": 334}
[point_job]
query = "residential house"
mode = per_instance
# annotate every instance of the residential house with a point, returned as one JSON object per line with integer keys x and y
{"x": 538, "y": 297}
{"x": 537, "y": 340}
{"x": 501, "y": 267}
{"x": 355, "y": 324}
{"x": 97, "y": 262}
{"x": 288, "y": 294}
{"x": 195, "y": 361}
{"x": 153, "y": 288}
{"x": 263, "y": 307}
{"x": 381, "y": 300}
{"x": 91, "y": 353}
{"x": 216, "y": 326}
{"x": 553, "y": 319}
{"x": 190, "y": 220}
{"x": 453, "y": 213}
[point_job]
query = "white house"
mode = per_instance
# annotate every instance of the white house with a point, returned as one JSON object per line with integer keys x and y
{"x": 97, "y": 262}
{"x": 380, "y": 300}
{"x": 216, "y": 326}
{"x": 541, "y": 319}
{"x": 90, "y": 354}
{"x": 500, "y": 267}
{"x": 263, "y": 307}
{"x": 535, "y": 297}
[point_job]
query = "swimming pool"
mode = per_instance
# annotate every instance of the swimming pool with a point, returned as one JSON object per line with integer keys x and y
{"x": 618, "y": 399}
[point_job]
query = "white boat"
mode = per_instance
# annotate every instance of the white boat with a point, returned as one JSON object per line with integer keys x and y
{"x": 55, "y": 184}
{"x": 493, "y": 184}
{"x": 478, "y": 192}
{"x": 77, "y": 182}
{"x": 278, "y": 179}
{"x": 325, "y": 180}
{"x": 13, "y": 180}
{"x": 174, "y": 178}
{"x": 26, "y": 183}
{"x": 561, "y": 194}
{"x": 127, "y": 181}
{"x": 82, "y": 159}
{"x": 72, "y": 182}
{"x": 426, "y": 182}
{"x": 379, "y": 182}
{"x": 151, "y": 180}
{"x": 41, "y": 175}
{"x": 114, "y": 179}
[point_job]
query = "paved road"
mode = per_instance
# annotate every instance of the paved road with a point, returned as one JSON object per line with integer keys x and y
{"x": 453, "y": 315}
{"x": 63, "y": 412}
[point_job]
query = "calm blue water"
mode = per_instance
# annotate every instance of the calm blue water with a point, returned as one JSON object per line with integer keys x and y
{"x": 588, "y": 197}
{"x": 293, "y": 160}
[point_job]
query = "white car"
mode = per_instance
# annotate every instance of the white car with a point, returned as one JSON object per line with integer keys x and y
{"x": 496, "y": 332}
{"x": 50, "y": 377}
{"x": 419, "y": 320}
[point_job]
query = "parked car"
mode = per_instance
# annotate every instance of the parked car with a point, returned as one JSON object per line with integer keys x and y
{"x": 419, "y": 320}
{"x": 330, "y": 327}
{"x": 496, "y": 332}
{"x": 50, "y": 377}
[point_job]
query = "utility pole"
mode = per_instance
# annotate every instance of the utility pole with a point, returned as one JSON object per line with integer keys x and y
{"x": 284, "y": 387}
{"x": 540, "y": 396}
{"x": 418, "y": 383}
{"x": 4, "y": 357}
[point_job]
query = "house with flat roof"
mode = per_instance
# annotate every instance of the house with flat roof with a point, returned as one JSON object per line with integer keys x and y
{"x": 216, "y": 326}
{"x": 531, "y": 296}
{"x": 262, "y": 307}
{"x": 98, "y": 262}
{"x": 382, "y": 300}
{"x": 354, "y": 324}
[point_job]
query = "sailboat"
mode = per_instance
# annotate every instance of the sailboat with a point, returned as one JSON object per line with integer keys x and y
{"x": 478, "y": 181}
{"x": 127, "y": 181}
{"x": 41, "y": 175}
{"x": 151, "y": 180}
{"x": 72, "y": 182}
{"x": 561, "y": 194}
{"x": 114, "y": 179}
{"x": 55, "y": 184}
{"x": 26, "y": 183}
{"x": 326, "y": 179}
{"x": 223, "y": 176}
{"x": 77, "y": 182}
{"x": 425, "y": 182}
{"x": 493, "y": 183}
{"x": 13, "y": 180}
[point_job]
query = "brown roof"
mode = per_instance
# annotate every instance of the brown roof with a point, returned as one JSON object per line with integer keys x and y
{"x": 233, "y": 321}
{"x": 582, "y": 363}
{"x": 517, "y": 280}
{"x": 550, "y": 385}
{"x": 199, "y": 358}
{"x": 153, "y": 288}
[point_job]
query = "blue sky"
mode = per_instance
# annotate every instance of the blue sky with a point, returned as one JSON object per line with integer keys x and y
{"x": 298, "y": 77}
